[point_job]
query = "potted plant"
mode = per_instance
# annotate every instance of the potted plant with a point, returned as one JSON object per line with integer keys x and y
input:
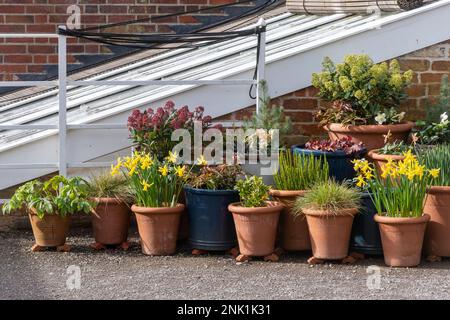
{"x": 49, "y": 205}
{"x": 296, "y": 174}
{"x": 263, "y": 125}
{"x": 399, "y": 192}
{"x": 437, "y": 204}
{"x": 156, "y": 187}
{"x": 208, "y": 194}
{"x": 338, "y": 153}
{"x": 391, "y": 151}
{"x": 111, "y": 214}
{"x": 329, "y": 208}
{"x": 256, "y": 219}
{"x": 364, "y": 98}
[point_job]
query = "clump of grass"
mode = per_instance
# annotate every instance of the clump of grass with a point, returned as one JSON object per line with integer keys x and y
{"x": 104, "y": 185}
{"x": 437, "y": 157}
{"x": 300, "y": 172}
{"x": 331, "y": 196}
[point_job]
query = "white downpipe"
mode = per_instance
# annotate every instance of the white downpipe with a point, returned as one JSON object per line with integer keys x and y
{"x": 62, "y": 115}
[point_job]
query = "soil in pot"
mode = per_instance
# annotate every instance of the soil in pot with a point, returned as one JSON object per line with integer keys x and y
{"x": 365, "y": 236}
{"x": 340, "y": 163}
{"x": 211, "y": 224}
{"x": 370, "y": 135}
{"x": 110, "y": 221}
{"x": 437, "y": 236}
{"x": 158, "y": 228}
{"x": 330, "y": 232}
{"x": 402, "y": 239}
{"x": 293, "y": 233}
{"x": 50, "y": 231}
{"x": 256, "y": 228}
{"x": 380, "y": 160}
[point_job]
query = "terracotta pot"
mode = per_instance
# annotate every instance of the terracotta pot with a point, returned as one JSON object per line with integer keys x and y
{"x": 437, "y": 235}
{"x": 380, "y": 160}
{"x": 330, "y": 232}
{"x": 256, "y": 228}
{"x": 158, "y": 228}
{"x": 293, "y": 232}
{"x": 110, "y": 221}
{"x": 402, "y": 239}
{"x": 51, "y": 230}
{"x": 370, "y": 135}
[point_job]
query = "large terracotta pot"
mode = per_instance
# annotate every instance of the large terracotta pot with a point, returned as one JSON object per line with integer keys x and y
{"x": 51, "y": 230}
{"x": 110, "y": 221}
{"x": 380, "y": 160}
{"x": 437, "y": 235}
{"x": 256, "y": 228}
{"x": 158, "y": 228}
{"x": 370, "y": 135}
{"x": 402, "y": 239}
{"x": 293, "y": 231}
{"x": 330, "y": 232}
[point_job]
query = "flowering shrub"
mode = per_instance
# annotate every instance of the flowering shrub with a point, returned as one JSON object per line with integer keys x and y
{"x": 154, "y": 183}
{"x": 152, "y": 130}
{"x": 400, "y": 189}
{"x": 253, "y": 192}
{"x": 344, "y": 144}
{"x": 362, "y": 92}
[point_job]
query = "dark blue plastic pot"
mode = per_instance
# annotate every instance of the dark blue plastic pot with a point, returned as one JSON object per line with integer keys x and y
{"x": 211, "y": 225}
{"x": 365, "y": 232}
{"x": 339, "y": 163}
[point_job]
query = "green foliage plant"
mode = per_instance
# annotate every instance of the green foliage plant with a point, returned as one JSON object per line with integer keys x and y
{"x": 104, "y": 185}
{"x": 220, "y": 177}
{"x": 437, "y": 157}
{"x": 253, "y": 192}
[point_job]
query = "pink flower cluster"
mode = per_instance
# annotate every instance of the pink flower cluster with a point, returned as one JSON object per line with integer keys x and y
{"x": 344, "y": 144}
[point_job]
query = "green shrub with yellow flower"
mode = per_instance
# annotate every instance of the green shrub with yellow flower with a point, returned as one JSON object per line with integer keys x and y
{"x": 399, "y": 190}
{"x": 362, "y": 92}
{"x": 154, "y": 183}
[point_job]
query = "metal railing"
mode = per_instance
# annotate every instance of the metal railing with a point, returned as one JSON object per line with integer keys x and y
{"x": 63, "y": 164}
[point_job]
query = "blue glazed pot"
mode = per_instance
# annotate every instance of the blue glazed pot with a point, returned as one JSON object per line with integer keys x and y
{"x": 365, "y": 232}
{"x": 211, "y": 225}
{"x": 339, "y": 162}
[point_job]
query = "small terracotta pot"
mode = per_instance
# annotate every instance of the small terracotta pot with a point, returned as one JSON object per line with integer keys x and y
{"x": 293, "y": 232}
{"x": 158, "y": 228}
{"x": 110, "y": 221}
{"x": 380, "y": 160}
{"x": 402, "y": 239}
{"x": 437, "y": 235}
{"x": 256, "y": 228}
{"x": 370, "y": 135}
{"x": 51, "y": 230}
{"x": 330, "y": 232}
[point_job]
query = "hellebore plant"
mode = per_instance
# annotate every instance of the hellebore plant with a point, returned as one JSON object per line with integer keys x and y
{"x": 152, "y": 130}
{"x": 360, "y": 91}
{"x": 154, "y": 183}
{"x": 400, "y": 189}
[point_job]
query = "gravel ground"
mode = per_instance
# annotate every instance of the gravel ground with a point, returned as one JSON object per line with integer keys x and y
{"x": 113, "y": 274}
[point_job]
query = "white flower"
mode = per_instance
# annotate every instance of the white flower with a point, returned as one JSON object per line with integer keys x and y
{"x": 444, "y": 117}
{"x": 380, "y": 118}
{"x": 401, "y": 115}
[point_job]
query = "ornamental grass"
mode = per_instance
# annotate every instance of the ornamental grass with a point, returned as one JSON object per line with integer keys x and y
{"x": 437, "y": 157}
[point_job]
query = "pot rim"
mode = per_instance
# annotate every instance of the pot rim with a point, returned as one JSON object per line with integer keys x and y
{"x": 438, "y": 189}
{"x": 328, "y": 154}
{"x": 328, "y": 213}
{"x": 378, "y": 156}
{"x": 273, "y": 206}
{"x": 108, "y": 200}
{"x": 286, "y": 193}
{"x": 404, "y": 220}
{"x": 32, "y": 212}
{"x": 190, "y": 189}
{"x": 157, "y": 210}
{"x": 373, "y": 128}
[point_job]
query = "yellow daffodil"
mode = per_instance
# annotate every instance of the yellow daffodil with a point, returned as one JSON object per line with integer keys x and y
{"x": 434, "y": 173}
{"x": 146, "y": 161}
{"x": 164, "y": 170}
{"x": 172, "y": 157}
{"x": 360, "y": 181}
{"x": 201, "y": 161}
{"x": 180, "y": 171}
{"x": 145, "y": 185}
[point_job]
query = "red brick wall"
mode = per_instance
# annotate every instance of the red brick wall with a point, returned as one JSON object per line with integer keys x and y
{"x": 21, "y": 57}
{"x": 429, "y": 65}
